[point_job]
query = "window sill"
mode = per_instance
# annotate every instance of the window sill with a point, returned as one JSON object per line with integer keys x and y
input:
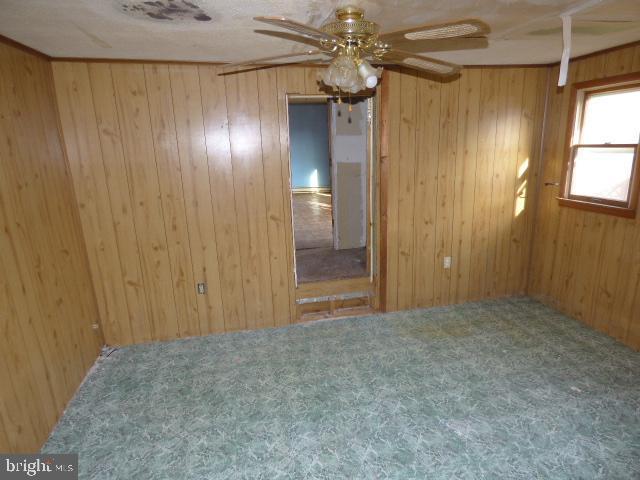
{"x": 598, "y": 208}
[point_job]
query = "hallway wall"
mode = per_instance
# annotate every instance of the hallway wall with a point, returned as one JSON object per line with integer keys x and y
{"x": 309, "y": 137}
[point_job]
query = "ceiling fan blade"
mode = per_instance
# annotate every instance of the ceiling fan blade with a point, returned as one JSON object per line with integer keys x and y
{"x": 463, "y": 28}
{"x": 441, "y": 45}
{"x": 301, "y": 28}
{"x": 256, "y": 61}
{"x": 420, "y": 62}
{"x": 291, "y": 37}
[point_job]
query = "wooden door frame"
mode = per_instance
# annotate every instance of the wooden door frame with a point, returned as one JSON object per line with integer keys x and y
{"x": 383, "y": 189}
{"x": 374, "y": 214}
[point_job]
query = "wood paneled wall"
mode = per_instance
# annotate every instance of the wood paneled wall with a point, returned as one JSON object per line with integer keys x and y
{"x": 461, "y": 170}
{"x": 47, "y": 305}
{"x": 586, "y": 264}
{"x": 182, "y": 177}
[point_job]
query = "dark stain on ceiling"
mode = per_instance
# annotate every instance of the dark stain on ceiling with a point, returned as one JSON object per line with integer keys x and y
{"x": 166, "y": 10}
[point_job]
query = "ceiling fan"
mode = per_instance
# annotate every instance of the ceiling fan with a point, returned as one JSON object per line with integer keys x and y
{"x": 352, "y": 44}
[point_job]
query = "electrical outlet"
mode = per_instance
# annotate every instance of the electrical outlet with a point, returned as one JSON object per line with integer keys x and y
{"x": 202, "y": 288}
{"x": 447, "y": 262}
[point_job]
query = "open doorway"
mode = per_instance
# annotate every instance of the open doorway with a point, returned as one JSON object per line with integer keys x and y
{"x": 330, "y": 155}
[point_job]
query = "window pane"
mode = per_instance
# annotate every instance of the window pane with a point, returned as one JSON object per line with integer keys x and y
{"x": 612, "y": 117}
{"x": 602, "y": 173}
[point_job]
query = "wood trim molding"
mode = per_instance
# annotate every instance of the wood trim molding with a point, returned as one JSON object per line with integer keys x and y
{"x": 311, "y": 190}
{"x": 333, "y": 287}
{"x": 383, "y": 179}
{"x": 623, "y": 79}
{"x": 600, "y": 52}
{"x": 598, "y": 208}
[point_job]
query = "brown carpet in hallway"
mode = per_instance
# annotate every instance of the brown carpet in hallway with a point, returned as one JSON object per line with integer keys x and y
{"x": 318, "y": 264}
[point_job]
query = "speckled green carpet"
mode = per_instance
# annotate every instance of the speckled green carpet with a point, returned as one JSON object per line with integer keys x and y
{"x": 496, "y": 389}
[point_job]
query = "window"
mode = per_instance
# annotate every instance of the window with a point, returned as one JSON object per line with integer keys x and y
{"x": 602, "y": 168}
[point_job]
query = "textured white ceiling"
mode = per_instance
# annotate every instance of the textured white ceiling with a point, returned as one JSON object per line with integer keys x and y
{"x": 522, "y": 31}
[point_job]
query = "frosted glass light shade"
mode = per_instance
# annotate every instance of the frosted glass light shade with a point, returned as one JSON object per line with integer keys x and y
{"x": 368, "y": 74}
{"x": 350, "y": 75}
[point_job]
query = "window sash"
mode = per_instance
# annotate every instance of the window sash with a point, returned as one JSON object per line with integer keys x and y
{"x": 600, "y": 200}
{"x": 580, "y": 112}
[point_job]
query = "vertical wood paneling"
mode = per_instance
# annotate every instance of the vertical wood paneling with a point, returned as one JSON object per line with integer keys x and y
{"x": 451, "y": 161}
{"x": 165, "y": 144}
{"x": 392, "y": 170}
{"x": 75, "y": 106}
{"x": 406, "y": 188}
{"x": 47, "y": 307}
{"x": 468, "y": 114}
{"x": 447, "y": 153}
{"x": 194, "y": 174}
{"x": 36, "y": 181}
{"x": 276, "y": 228}
{"x": 137, "y": 141}
{"x": 139, "y": 316}
{"x": 214, "y": 105}
{"x": 455, "y": 166}
{"x": 584, "y": 263}
{"x": 246, "y": 156}
{"x": 480, "y": 245}
{"x": 426, "y": 190}
{"x": 504, "y": 176}
{"x": 187, "y": 106}
{"x": 525, "y": 186}
{"x": 285, "y": 168}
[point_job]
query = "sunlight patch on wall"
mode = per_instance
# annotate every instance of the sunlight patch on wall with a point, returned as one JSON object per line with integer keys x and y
{"x": 313, "y": 179}
{"x": 523, "y": 168}
{"x": 521, "y": 193}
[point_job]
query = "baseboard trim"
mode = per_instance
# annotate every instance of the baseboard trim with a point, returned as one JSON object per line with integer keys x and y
{"x": 311, "y": 190}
